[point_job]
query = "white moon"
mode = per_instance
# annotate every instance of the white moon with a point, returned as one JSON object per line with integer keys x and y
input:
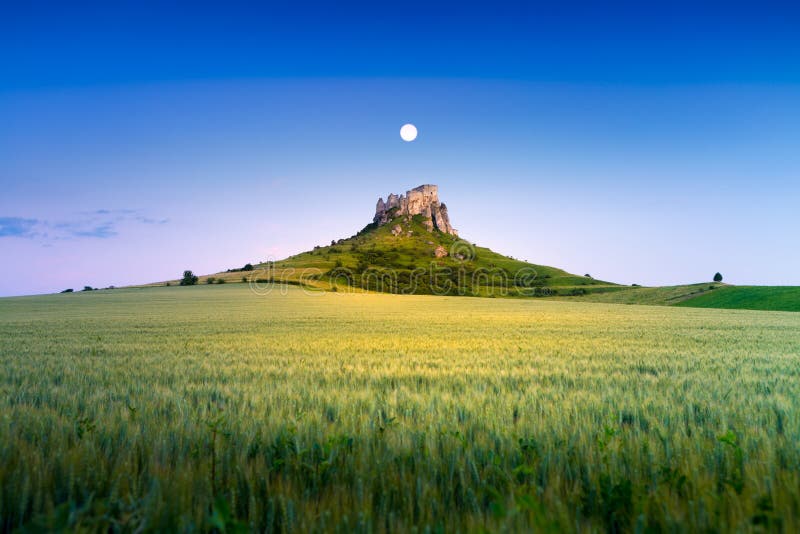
{"x": 408, "y": 132}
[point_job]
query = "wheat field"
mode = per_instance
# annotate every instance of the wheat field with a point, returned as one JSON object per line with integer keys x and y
{"x": 215, "y": 408}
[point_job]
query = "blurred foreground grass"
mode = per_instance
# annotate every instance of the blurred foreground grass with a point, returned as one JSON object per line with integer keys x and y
{"x": 212, "y": 407}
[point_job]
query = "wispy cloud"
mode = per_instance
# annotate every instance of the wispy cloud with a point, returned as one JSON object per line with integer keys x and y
{"x": 103, "y": 231}
{"x": 17, "y": 227}
{"x": 147, "y": 220}
{"x": 119, "y": 212}
{"x": 97, "y": 224}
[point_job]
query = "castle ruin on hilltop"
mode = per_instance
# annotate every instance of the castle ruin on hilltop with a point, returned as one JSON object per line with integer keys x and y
{"x": 422, "y": 200}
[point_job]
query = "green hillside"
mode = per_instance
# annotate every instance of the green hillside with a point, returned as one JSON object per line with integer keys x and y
{"x": 775, "y": 298}
{"x": 705, "y": 295}
{"x": 376, "y": 259}
{"x": 401, "y": 257}
{"x": 653, "y": 296}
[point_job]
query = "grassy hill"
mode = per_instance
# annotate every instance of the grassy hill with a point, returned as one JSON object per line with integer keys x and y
{"x": 776, "y": 298}
{"x": 705, "y": 295}
{"x": 400, "y": 257}
{"x": 653, "y": 296}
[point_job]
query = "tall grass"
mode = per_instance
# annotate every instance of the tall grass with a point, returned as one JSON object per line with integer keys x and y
{"x": 210, "y": 407}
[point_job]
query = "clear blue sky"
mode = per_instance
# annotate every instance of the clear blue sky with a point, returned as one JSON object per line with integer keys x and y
{"x": 635, "y": 142}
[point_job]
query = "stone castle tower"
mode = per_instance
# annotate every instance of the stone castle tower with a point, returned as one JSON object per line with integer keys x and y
{"x": 422, "y": 200}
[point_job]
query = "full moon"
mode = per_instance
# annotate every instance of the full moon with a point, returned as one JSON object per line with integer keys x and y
{"x": 408, "y": 132}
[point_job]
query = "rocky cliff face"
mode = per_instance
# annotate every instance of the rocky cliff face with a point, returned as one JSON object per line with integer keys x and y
{"x": 422, "y": 200}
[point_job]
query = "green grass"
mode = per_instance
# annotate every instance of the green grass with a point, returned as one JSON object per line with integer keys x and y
{"x": 191, "y": 408}
{"x": 779, "y": 298}
{"x": 651, "y": 296}
{"x": 707, "y": 295}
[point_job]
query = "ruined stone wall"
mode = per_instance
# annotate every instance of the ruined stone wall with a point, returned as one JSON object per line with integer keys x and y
{"x": 422, "y": 200}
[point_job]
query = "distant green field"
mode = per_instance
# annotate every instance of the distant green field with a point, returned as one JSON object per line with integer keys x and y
{"x": 776, "y": 298}
{"x": 652, "y": 296}
{"x": 707, "y": 295}
{"x": 213, "y": 408}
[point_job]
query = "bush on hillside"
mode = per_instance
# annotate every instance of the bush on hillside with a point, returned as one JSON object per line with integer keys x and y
{"x": 718, "y": 277}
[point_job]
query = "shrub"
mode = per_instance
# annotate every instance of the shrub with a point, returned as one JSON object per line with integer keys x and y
{"x": 244, "y": 279}
{"x": 247, "y": 267}
{"x": 189, "y": 278}
{"x": 87, "y": 288}
{"x": 67, "y": 291}
{"x": 221, "y": 281}
{"x": 210, "y": 280}
{"x": 718, "y": 277}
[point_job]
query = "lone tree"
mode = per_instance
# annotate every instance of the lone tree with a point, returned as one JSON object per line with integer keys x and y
{"x": 189, "y": 279}
{"x": 718, "y": 277}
